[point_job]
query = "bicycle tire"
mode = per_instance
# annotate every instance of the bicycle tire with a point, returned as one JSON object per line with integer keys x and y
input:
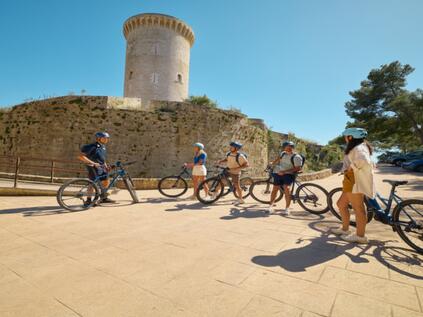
{"x": 334, "y": 211}
{"x": 255, "y": 186}
{"x": 215, "y": 181}
{"x": 398, "y": 228}
{"x": 61, "y": 193}
{"x": 245, "y": 183}
{"x": 131, "y": 190}
{"x": 303, "y": 188}
{"x": 175, "y": 179}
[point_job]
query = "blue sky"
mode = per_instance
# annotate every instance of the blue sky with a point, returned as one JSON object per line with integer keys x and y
{"x": 290, "y": 62}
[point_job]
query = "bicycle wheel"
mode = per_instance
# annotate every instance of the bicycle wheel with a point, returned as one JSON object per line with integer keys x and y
{"x": 173, "y": 186}
{"x": 245, "y": 184}
{"x": 261, "y": 190}
{"x": 210, "y": 190}
{"x": 73, "y": 195}
{"x": 333, "y": 197}
{"x": 130, "y": 187}
{"x": 408, "y": 223}
{"x": 312, "y": 198}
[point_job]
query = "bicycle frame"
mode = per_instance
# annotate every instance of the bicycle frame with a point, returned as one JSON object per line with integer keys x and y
{"x": 120, "y": 172}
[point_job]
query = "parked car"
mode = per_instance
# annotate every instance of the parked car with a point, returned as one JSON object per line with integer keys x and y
{"x": 387, "y": 156}
{"x": 398, "y": 160}
{"x": 416, "y": 166}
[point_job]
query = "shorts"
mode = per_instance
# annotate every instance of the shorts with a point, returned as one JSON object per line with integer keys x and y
{"x": 348, "y": 182}
{"x": 281, "y": 180}
{"x": 100, "y": 172}
{"x": 199, "y": 170}
{"x": 235, "y": 178}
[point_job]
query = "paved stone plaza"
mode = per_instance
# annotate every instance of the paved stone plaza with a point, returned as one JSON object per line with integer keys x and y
{"x": 180, "y": 258}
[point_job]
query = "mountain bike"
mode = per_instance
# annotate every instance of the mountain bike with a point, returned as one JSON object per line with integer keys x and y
{"x": 73, "y": 194}
{"x": 311, "y": 197}
{"x": 406, "y": 218}
{"x": 214, "y": 188}
{"x": 175, "y": 185}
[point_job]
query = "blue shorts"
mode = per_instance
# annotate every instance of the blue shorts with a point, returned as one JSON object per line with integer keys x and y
{"x": 286, "y": 179}
{"x": 100, "y": 172}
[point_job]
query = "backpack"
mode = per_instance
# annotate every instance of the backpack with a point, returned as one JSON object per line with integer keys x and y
{"x": 292, "y": 158}
{"x": 237, "y": 156}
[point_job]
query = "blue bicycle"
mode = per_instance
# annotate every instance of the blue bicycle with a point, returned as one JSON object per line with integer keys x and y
{"x": 405, "y": 218}
{"x": 74, "y": 194}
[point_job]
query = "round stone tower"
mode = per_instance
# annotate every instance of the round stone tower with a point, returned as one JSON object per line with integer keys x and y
{"x": 157, "y": 57}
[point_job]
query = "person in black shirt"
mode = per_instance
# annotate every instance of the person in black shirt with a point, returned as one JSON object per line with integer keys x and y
{"x": 94, "y": 156}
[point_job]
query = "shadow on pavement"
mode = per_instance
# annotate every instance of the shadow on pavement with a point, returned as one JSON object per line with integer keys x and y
{"x": 251, "y": 212}
{"x": 187, "y": 206}
{"x": 34, "y": 211}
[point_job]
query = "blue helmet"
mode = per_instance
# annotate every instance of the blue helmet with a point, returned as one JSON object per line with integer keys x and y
{"x": 236, "y": 145}
{"x": 287, "y": 143}
{"x": 102, "y": 135}
{"x": 199, "y": 145}
{"x": 356, "y": 133}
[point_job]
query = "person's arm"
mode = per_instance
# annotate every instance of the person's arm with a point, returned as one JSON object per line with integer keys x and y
{"x": 244, "y": 162}
{"x": 222, "y": 161}
{"x": 359, "y": 157}
{"x": 84, "y": 159}
{"x": 276, "y": 161}
{"x": 200, "y": 162}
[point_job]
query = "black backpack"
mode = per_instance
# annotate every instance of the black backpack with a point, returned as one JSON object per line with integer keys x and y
{"x": 292, "y": 158}
{"x": 237, "y": 156}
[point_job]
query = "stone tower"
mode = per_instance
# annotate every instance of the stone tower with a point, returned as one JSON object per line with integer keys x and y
{"x": 157, "y": 57}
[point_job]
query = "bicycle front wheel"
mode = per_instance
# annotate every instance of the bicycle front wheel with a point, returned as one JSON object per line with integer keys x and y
{"x": 312, "y": 198}
{"x": 408, "y": 223}
{"x": 173, "y": 186}
{"x": 78, "y": 194}
{"x": 210, "y": 190}
{"x": 245, "y": 184}
{"x": 334, "y": 196}
{"x": 261, "y": 191}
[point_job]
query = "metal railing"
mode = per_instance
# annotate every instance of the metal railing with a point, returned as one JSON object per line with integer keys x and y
{"x": 48, "y": 169}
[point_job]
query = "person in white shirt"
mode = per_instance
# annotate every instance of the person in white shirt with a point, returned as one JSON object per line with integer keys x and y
{"x": 358, "y": 182}
{"x": 235, "y": 161}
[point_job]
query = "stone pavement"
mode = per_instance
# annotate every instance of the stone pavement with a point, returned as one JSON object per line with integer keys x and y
{"x": 180, "y": 258}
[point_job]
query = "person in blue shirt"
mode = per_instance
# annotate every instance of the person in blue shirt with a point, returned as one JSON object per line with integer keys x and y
{"x": 199, "y": 170}
{"x": 94, "y": 156}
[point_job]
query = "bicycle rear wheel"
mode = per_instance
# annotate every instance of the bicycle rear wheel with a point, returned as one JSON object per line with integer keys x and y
{"x": 245, "y": 184}
{"x": 333, "y": 197}
{"x": 261, "y": 190}
{"x": 210, "y": 190}
{"x": 172, "y": 186}
{"x": 74, "y": 195}
{"x": 130, "y": 187}
{"x": 312, "y": 198}
{"x": 408, "y": 223}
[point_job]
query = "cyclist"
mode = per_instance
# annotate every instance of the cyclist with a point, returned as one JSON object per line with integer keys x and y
{"x": 286, "y": 166}
{"x": 358, "y": 181}
{"x": 235, "y": 161}
{"x": 94, "y": 156}
{"x": 199, "y": 170}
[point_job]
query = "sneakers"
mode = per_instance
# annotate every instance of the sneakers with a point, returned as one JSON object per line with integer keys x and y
{"x": 285, "y": 212}
{"x": 340, "y": 232}
{"x": 192, "y": 197}
{"x": 107, "y": 201}
{"x": 239, "y": 201}
{"x": 269, "y": 210}
{"x": 354, "y": 238}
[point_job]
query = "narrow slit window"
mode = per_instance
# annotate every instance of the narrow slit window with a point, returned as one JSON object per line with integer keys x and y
{"x": 179, "y": 78}
{"x": 131, "y": 73}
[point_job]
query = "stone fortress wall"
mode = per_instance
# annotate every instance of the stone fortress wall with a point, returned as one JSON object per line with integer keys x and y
{"x": 159, "y": 137}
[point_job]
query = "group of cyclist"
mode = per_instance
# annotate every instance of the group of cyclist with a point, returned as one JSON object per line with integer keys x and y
{"x": 357, "y": 168}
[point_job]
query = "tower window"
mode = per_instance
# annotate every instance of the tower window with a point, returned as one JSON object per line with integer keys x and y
{"x": 179, "y": 78}
{"x": 155, "y": 78}
{"x": 130, "y": 74}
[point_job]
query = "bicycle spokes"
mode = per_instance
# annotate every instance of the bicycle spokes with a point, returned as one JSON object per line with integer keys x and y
{"x": 408, "y": 221}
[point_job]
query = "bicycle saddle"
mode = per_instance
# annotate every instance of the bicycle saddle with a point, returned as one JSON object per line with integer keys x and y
{"x": 395, "y": 183}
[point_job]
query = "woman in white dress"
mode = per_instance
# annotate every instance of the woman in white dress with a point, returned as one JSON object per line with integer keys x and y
{"x": 358, "y": 182}
{"x": 199, "y": 170}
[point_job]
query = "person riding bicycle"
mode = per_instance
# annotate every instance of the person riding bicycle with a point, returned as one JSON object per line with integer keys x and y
{"x": 358, "y": 181}
{"x": 285, "y": 168}
{"x": 94, "y": 156}
{"x": 199, "y": 170}
{"x": 235, "y": 161}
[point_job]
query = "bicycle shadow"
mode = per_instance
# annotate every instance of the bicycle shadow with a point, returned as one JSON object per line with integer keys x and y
{"x": 35, "y": 211}
{"x": 185, "y": 206}
{"x": 245, "y": 212}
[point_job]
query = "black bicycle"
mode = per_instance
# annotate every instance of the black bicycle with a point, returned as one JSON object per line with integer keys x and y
{"x": 73, "y": 195}
{"x": 406, "y": 218}
{"x": 311, "y": 197}
{"x": 214, "y": 188}
{"x": 175, "y": 185}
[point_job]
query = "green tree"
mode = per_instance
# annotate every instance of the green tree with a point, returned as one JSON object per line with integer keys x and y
{"x": 202, "y": 101}
{"x": 392, "y": 115}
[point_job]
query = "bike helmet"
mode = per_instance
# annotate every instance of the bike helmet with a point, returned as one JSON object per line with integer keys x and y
{"x": 287, "y": 143}
{"x": 236, "y": 144}
{"x": 102, "y": 135}
{"x": 199, "y": 145}
{"x": 356, "y": 133}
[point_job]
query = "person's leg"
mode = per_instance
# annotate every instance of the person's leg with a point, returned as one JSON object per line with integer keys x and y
{"x": 195, "y": 184}
{"x": 237, "y": 185}
{"x": 200, "y": 180}
{"x": 275, "y": 191}
{"x": 357, "y": 202}
{"x": 287, "y": 193}
{"x": 342, "y": 204}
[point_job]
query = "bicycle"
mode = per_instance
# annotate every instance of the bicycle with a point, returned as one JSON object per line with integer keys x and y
{"x": 73, "y": 194}
{"x": 406, "y": 218}
{"x": 212, "y": 189}
{"x": 311, "y": 197}
{"x": 175, "y": 185}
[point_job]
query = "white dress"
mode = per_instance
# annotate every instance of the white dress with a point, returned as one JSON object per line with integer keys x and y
{"x": 362, "y": 166}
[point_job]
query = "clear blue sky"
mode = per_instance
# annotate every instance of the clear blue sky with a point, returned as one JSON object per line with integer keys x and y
{"x": 290, "y": 62}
